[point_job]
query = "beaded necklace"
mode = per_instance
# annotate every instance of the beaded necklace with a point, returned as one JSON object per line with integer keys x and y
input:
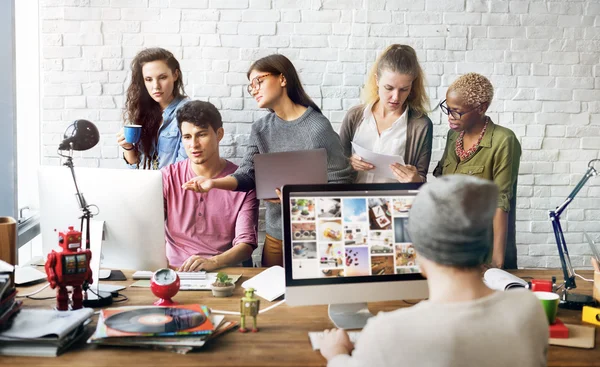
{"x": 460, "y": 147}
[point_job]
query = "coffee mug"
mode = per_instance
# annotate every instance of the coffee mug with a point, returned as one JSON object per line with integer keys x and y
{"x": 549, "y": 302}
{"x": 132, "y": 133}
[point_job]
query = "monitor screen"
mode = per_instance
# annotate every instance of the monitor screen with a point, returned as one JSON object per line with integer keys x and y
{"x": 129, "y": 202}
{"x": 345, "y": 245}
{"x": 357, "y": 233}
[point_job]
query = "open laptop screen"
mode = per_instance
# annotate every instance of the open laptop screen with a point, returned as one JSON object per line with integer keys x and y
{"x": 348, "y": 231}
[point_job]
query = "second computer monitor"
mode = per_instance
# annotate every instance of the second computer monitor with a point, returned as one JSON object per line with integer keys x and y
{"x": 130, "y": 202}
{"x": 349, "y": 244}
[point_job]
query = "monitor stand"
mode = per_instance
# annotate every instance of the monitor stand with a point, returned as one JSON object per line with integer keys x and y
{"x": 349, "y": 315}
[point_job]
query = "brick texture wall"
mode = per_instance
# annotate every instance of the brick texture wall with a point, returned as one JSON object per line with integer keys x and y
{"x": 542, "y": 57}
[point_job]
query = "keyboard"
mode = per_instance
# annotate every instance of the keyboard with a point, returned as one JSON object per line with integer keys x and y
{"x": 316, "y": 337}
{"x": 194, "y": 275}
{"x": 195, "y": 284}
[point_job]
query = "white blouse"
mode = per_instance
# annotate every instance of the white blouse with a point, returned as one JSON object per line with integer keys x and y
{"x": 392, "y": 141}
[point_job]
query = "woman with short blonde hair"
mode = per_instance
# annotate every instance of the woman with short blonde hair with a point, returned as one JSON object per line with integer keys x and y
{"x": 477, "y": 147}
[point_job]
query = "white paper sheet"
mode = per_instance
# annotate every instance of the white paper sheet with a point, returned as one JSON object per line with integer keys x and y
{"x": 269, "y": 284}
{"x": 381, "y": 162}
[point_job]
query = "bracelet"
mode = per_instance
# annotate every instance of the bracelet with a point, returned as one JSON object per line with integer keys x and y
{"x": 126, "y": 161}
{"x": 132, "y": 148}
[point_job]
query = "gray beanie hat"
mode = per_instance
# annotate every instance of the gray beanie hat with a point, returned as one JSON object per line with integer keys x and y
{"x": 450, "y": 220}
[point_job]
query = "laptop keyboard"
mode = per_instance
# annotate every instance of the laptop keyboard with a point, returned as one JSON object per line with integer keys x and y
{"x": 194, "y": 275}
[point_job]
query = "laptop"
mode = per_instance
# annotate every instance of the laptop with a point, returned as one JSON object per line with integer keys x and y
{"x": 273, "y": 170}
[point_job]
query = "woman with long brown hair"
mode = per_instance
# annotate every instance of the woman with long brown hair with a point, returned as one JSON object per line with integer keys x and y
{"x": 154, "y": 95}
{"x": 392, "y": 118}
{"x": 295, "y": 123}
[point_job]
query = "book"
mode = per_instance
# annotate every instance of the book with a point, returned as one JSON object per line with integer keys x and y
{"x": 501, "y": 280}
{"x": 41, "y": 347}
{"x": 43, "y": 333}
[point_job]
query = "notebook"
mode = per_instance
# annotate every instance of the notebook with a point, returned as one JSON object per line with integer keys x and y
{"x": 268, "y": 284}
{"x": 273, "y": 170}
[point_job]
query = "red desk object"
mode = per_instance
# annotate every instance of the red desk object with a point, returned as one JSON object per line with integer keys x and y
{"x": 559, "y": 330}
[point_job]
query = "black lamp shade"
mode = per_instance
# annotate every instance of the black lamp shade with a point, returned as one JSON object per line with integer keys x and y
{"x": 80, "y": 135}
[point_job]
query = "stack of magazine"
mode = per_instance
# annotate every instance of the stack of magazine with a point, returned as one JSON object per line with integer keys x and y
{"x": 180, "y": 328}
{"x": 43, "y": 333}
{"x": 9, "y": 306}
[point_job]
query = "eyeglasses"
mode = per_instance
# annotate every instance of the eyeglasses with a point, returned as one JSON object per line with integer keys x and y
{"x": 455, "y": 114}
{"x": 255, "y": 83}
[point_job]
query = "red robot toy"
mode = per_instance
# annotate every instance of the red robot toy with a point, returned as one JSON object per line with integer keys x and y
{"x": 69, "y": 267}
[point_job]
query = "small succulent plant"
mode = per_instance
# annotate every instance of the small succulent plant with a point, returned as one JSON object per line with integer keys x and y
{"x": 222, "y": 280}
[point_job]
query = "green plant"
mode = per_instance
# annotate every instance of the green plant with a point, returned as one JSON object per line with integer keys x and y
{"x": 222, "y": 280}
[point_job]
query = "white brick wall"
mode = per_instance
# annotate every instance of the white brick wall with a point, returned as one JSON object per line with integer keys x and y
{"x": 542, "y": 56}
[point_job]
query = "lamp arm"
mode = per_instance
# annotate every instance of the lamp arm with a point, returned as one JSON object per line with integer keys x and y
{"x": 83, "y": 206}
{"x": 591, "y": 171}
{"x": 561, "y": 244}
{"x": 563, "y": 252}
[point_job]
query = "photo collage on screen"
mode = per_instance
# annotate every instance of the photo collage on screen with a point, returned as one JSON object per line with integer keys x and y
{"x": 351, "y": 236}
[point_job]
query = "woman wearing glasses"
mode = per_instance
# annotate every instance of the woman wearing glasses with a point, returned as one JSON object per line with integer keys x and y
{"x": 476, "y": 146}
{"x": 295, "y": 123}
{"x": 153, "y": 97}
{"x": 392, "y": 119}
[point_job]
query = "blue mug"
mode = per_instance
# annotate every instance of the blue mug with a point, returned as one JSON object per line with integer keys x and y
{"x": 132, "y": 133}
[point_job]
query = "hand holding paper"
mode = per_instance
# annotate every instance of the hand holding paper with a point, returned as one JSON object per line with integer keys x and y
{"x": 406, "y": 173}
{"x": 381, "y": 162}
{"x": 359, "y": 164}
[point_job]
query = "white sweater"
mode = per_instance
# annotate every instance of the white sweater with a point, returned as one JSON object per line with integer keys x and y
{"x": 502, "y": 329}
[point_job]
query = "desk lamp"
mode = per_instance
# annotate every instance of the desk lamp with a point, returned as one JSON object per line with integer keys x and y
{"x": 82, "y": 135}
{"x": 568, "y": 300}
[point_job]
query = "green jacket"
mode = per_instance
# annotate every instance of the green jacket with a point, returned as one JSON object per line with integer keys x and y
{"x": 497, "y": 159}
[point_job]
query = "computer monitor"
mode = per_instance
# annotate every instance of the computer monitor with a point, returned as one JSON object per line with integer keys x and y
{"x": 130, "y": 202}
{"x": 346, "y": 245}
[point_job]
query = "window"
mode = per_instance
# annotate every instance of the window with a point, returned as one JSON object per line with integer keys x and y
{"x": 28, "y": 142}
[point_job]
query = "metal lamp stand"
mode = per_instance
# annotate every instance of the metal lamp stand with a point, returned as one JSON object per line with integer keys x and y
{"x": 91, "y": 298}
{"x": 569, "y": 300}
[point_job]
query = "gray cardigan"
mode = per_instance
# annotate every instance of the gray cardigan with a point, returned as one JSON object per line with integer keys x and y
{"x": 419, "y": 138}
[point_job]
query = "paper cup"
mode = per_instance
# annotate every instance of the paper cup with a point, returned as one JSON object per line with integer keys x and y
{"x": 549, "y": 302}
{"x": 132, "y": 133}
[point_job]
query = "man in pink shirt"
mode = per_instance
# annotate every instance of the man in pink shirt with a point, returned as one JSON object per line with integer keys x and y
{"x": 205, "y": 231}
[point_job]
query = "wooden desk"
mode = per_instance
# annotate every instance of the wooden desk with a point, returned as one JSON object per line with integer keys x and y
{"x": 282, "y": 340}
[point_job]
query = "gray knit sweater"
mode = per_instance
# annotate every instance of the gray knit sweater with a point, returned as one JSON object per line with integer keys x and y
{"x": 271, "y": 134}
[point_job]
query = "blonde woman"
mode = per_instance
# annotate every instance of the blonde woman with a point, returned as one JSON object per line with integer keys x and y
{"x": 392, "y": 118}
{"x": 478, "y": 147}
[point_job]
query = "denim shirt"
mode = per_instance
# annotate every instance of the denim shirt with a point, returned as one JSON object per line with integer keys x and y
{"x": 170, "y": 149}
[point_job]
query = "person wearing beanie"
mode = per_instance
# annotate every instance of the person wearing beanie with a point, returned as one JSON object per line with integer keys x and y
{"x": 477, "y": 147}
{"x": 463, "y": 323}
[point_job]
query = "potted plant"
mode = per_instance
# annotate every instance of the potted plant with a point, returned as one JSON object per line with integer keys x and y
{"x": 302, "y": 204}
{"x": 222, "y": 287}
